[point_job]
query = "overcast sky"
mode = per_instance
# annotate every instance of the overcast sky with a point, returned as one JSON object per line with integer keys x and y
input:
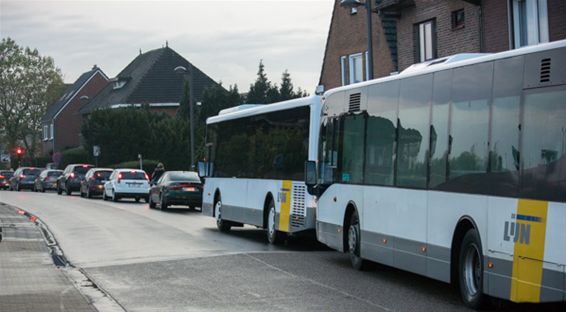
{"x": 225, "y": 39}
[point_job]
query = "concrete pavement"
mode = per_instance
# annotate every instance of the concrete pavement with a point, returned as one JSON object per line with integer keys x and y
{"x": 29, "y": 280}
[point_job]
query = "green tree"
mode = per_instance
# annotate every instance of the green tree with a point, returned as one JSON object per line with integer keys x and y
{"x": 286, "y": 91}
{"x": 258, "y": 93}
{"x": 29, "y": 82}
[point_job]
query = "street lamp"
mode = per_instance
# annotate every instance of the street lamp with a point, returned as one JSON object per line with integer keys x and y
{"x": 354, "y": 4}
{"x": 188, "y": 73}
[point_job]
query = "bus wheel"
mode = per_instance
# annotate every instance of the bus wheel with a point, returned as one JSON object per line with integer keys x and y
{"x": 471, "y": 270}
{"x": 223, "y": 226}
{"x": 354, "y": 243}
{"x": 273, "y": 236}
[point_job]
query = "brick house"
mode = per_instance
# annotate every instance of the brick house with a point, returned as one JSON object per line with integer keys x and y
{"x": 150, "y": 80}
{"x": 61, "y": 124}
{"x": 345, "y": 56}
{"x": 413, "y": 31}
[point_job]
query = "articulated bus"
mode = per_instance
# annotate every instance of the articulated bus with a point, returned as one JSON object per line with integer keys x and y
{"x": 454, "y": 169}
{"x": 255, "y": 168}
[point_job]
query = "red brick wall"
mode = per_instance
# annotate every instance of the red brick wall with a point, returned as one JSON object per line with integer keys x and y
{"x": 69, "y": 121}
{"x": 557, "y": 19}
{"x": 348, "y": 35}
{"x": 462, "y": 40}
{"x": 496, "y": 26}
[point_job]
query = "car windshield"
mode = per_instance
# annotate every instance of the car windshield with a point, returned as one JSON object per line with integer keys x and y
{"x": 184, "y": 176}
{"x": 102, "y": 175}
{"x": 31, "y": 172}
{"x": 54, "y": 173}
{"x": 132, "y": 175}
{"x": 82, "y": 169}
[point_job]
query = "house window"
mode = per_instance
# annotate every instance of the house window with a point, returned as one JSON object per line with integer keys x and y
{"x": 45, "y": 134}
{"x": 425, "y": 43}
{"x": 356, "y": 67}
{"x": 458, "y": 19}
{"x": 343, "y": 70}
{"x": 530, "y": 22}
{"x": 51, "y": 131}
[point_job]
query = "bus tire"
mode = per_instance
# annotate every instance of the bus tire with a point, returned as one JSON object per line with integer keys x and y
{"x": 354, "y": 243}
{"x": 222, "y": 225}
{"x": 470, "y": 270}
{"x": 274, "y": 236}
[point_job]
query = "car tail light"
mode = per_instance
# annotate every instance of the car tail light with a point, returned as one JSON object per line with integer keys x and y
{"x": 146, "y": 176}
{"x": 72, "y": 174}
{"x": 1, "y": 177}
{"x": 175, "y": 187}
{"x": 22, "y": 176}
{"x": 119, "y": 178}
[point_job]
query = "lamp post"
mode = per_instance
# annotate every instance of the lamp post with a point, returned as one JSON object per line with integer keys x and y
{"x": 188, "y": 73}
{"x": 354, "y": 4}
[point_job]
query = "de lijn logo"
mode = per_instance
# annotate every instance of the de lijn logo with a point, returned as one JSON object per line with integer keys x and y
{"x": 519, "y": 229}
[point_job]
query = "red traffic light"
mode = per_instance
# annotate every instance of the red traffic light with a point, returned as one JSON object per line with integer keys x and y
{"x": 19, "y": 151}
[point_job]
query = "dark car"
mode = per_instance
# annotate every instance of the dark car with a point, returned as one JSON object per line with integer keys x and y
{"x": 47, "y": 180}
{"x": 24, "y": 178}
{"x": 93, "y": 183}
{"x": 5, "y": 177}
{"x": 70, "y": 180}
{"x": 176, "y": 188}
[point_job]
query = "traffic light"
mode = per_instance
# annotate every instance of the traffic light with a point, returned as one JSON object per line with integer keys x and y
{"x": 19, "y": 151}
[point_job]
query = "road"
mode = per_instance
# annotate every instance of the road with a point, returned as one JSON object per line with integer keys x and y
{"x": 152, "y": 260}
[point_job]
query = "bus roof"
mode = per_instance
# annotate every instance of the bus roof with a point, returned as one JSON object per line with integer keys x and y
{"x": 452, "y": 62}
{"x": 253, "y": 110}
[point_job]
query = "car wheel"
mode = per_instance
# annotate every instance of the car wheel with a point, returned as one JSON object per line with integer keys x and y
{"x": 104, "y": 195}
{"x": 222, "y": 225}
{"x": 59, "y": 190}
{"x": 18, "y": 187}
{"x": 471, "y": 271}
{"x": 163, "y": 203}
{"x": 137, "y": 199}
{"x": 354, "y": 243}
{"x": 151, "y": 203}
{"x": 273, "y": 235}
{"x": 67, "y": 189}
{"x": 114, "y": 196}
{"x": 88, "y": 194}
{"x": 146, "y": 199}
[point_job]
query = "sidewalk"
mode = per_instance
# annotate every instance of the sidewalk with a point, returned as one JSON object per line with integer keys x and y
{"x": 29, "y": 279}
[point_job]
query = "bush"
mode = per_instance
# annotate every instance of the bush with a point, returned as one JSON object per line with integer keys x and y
{"x": 76, "y": 155}
{"x": 148, "y": 165}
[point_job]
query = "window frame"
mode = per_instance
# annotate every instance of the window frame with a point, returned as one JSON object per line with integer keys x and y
{"x": 351, "y": 67}
{"x": 420, "y": 45}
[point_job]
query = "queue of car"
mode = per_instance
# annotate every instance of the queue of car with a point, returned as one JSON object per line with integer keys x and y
{"x": 180, "y": 188}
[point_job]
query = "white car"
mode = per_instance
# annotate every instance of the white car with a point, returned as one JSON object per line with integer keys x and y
{"x": 127, "y": 183}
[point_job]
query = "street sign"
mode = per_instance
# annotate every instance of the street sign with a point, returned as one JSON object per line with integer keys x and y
{"x": 4, "y": 157}
{"x": 96, "y": 150}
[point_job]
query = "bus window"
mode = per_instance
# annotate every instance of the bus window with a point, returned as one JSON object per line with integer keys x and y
{"x": 503, "y": 178}
{"x": 544, "y": 145}
{"x": 381, "y": 133}
{"x": 439, "y": 127}
{"x": 328, "y": 150}
{"x": 351, "y": 169}
{"x": 414, "y": 128}
{"x": 471, "y": 91}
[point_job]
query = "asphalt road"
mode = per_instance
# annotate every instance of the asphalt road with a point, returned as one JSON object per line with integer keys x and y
{"x": 151, "y": 260}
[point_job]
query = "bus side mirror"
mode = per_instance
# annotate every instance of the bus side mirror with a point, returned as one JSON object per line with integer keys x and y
{"x": 202, "y": 166}
{"x": 310, "y": 173}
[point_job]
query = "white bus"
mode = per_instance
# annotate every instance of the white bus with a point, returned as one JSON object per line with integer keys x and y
{"x": 454, "y": 169}
{"x": 255, "y": 169}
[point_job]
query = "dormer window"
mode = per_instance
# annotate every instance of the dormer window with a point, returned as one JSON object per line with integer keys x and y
{"x": 118, "y": 84}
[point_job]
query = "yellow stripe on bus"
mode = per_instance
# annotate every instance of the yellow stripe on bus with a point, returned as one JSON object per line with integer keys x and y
{"x": 285, "y": 212}
{"x": 530, "y": 231}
